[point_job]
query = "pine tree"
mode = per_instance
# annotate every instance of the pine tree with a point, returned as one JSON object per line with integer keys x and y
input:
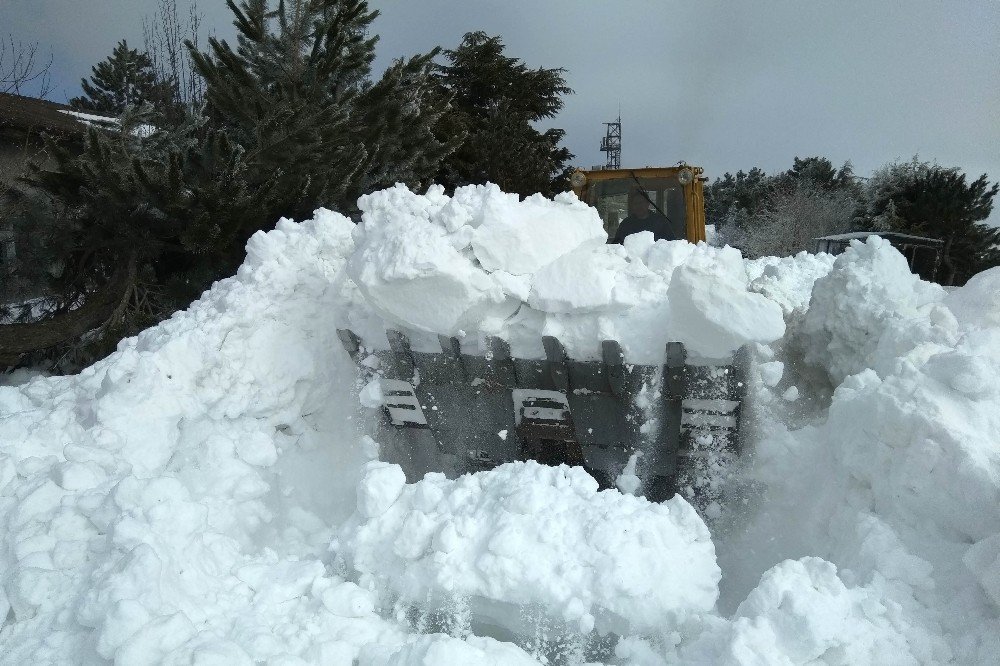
{"x": 497, "y": 100}
{"x": 820, "y": 173}
{"x": 297, "y": 95}
{"x": 135, "y": 227}
{"x": 126, "y": 78}
{"x": 730, "y": 199}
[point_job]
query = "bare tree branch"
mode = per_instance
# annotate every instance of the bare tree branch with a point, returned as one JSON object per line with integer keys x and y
{"x": 18, "y": 67}
{"x": 791, "y": 221}
{"x": 164, "y": 34}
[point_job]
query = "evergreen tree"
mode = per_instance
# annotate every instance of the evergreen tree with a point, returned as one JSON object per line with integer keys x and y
{"x": 730, "y": 197}
{"x": 927, "y": 199}
{"x": 138, "y": 224}
{"x": 126, "y": 78}
{"x": 497, "y": 100}
{"x": 820, "y": 173}
{"x": 297, "y": 95}
{"x": 135, "y": 227}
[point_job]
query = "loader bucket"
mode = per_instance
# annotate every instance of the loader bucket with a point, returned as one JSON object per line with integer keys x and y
{"x": 456, "y": 412}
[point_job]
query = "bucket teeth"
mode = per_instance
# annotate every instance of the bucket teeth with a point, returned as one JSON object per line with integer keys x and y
{"x": 453, "y": 411}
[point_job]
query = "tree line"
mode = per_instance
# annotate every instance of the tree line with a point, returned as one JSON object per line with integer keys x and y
{"x": 135, "y": 222}
{"x": 781, "y": 214}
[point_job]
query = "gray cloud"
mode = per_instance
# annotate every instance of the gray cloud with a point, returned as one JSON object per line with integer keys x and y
{"x": 722, "y": 84}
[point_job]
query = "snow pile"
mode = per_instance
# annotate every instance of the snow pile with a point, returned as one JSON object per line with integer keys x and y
{"x": 173, "y": 503}
{"x": 176, "y": 502}
{"x": 899, "y": 484}
{"x": 483, "y": 263}
{"x": 524, "y": 534}
{"x": 869, "y": 300}
{"x": 800, "y": 613}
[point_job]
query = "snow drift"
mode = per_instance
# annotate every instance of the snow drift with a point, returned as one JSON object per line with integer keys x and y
{"x": 203, "y": 496}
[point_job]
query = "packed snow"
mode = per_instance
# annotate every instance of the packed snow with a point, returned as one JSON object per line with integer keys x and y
{"x": 484, "y": 263}
{"x": 204, "y": 495}
{"x": 600, "y": 559}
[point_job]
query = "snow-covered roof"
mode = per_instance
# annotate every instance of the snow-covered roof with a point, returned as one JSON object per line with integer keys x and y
{"x": 141, "y": 130}
{"x": 32, "y": 114}
{"x": 888, "y": 235}
{"x": 90, "y": 118}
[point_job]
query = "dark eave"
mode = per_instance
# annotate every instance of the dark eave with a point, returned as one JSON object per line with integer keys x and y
{"x": 30, "y": 115}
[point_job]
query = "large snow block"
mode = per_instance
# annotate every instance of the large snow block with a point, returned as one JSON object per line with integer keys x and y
{"x": 525, "y": 535}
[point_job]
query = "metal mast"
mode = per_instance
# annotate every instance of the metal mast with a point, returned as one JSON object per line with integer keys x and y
{"x": 612, "y": 144}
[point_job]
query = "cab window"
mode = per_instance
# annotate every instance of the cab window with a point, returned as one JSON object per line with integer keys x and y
{"x": 610, "y": 198}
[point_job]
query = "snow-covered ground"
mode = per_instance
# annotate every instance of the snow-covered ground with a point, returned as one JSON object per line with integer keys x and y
{"x": 204, "y": 495}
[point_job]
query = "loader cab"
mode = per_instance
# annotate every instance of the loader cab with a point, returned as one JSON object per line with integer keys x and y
{"x": 675, "y": 192}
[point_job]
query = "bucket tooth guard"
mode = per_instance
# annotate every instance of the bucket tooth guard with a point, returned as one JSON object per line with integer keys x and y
{"x": 456, "y": 412}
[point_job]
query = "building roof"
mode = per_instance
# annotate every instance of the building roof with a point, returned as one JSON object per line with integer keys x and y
{"x": 888, "y": 235}
{"x": 29, "y": 114}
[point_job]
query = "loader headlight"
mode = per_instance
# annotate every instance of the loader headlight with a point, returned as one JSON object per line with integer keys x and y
{"x": 578, "y": 179}
{"x": 685, "y": 176}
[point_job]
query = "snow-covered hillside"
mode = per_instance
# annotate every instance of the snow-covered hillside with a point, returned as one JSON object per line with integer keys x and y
{"x": 205, "y": 496}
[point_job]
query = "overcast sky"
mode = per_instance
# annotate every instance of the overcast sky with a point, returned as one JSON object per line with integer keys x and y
{"x": 726, "y": 85}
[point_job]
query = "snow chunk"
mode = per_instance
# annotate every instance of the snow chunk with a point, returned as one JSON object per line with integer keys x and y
{"x": 257, "y": 449}
{"x": 578, "y": 282}
{"x": 637, "y": 246}
{"x": 802, "y": 611}
{"x": 347, "y": 600}
{"x": 381, "y": 485}
{"x": 628, "y": 482}
{"x": 78, "y": 475}
{"x": 713, "y": 312}
{"x": 977, "y": 304}
{"x": 853, "y": 308}
{"x": 413, "y": 272}
{"x": 788, "y": 281}
{"x": 156, "y": 640}
{"x": 771, "y": 372}
{"x": 443, "y": 649}
{"x": 522, "y": 237}
{"x": 371, "y": 395}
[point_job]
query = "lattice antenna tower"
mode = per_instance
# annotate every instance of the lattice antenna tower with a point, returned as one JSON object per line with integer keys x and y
{"x": 612, "y": 144}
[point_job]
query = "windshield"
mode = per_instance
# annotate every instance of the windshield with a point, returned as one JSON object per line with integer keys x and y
{"x": 611, "y": 199}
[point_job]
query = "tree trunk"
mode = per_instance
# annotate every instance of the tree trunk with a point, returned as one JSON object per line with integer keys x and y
{"x": 99, "y": 308}
{"x": 949, "y": 281}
